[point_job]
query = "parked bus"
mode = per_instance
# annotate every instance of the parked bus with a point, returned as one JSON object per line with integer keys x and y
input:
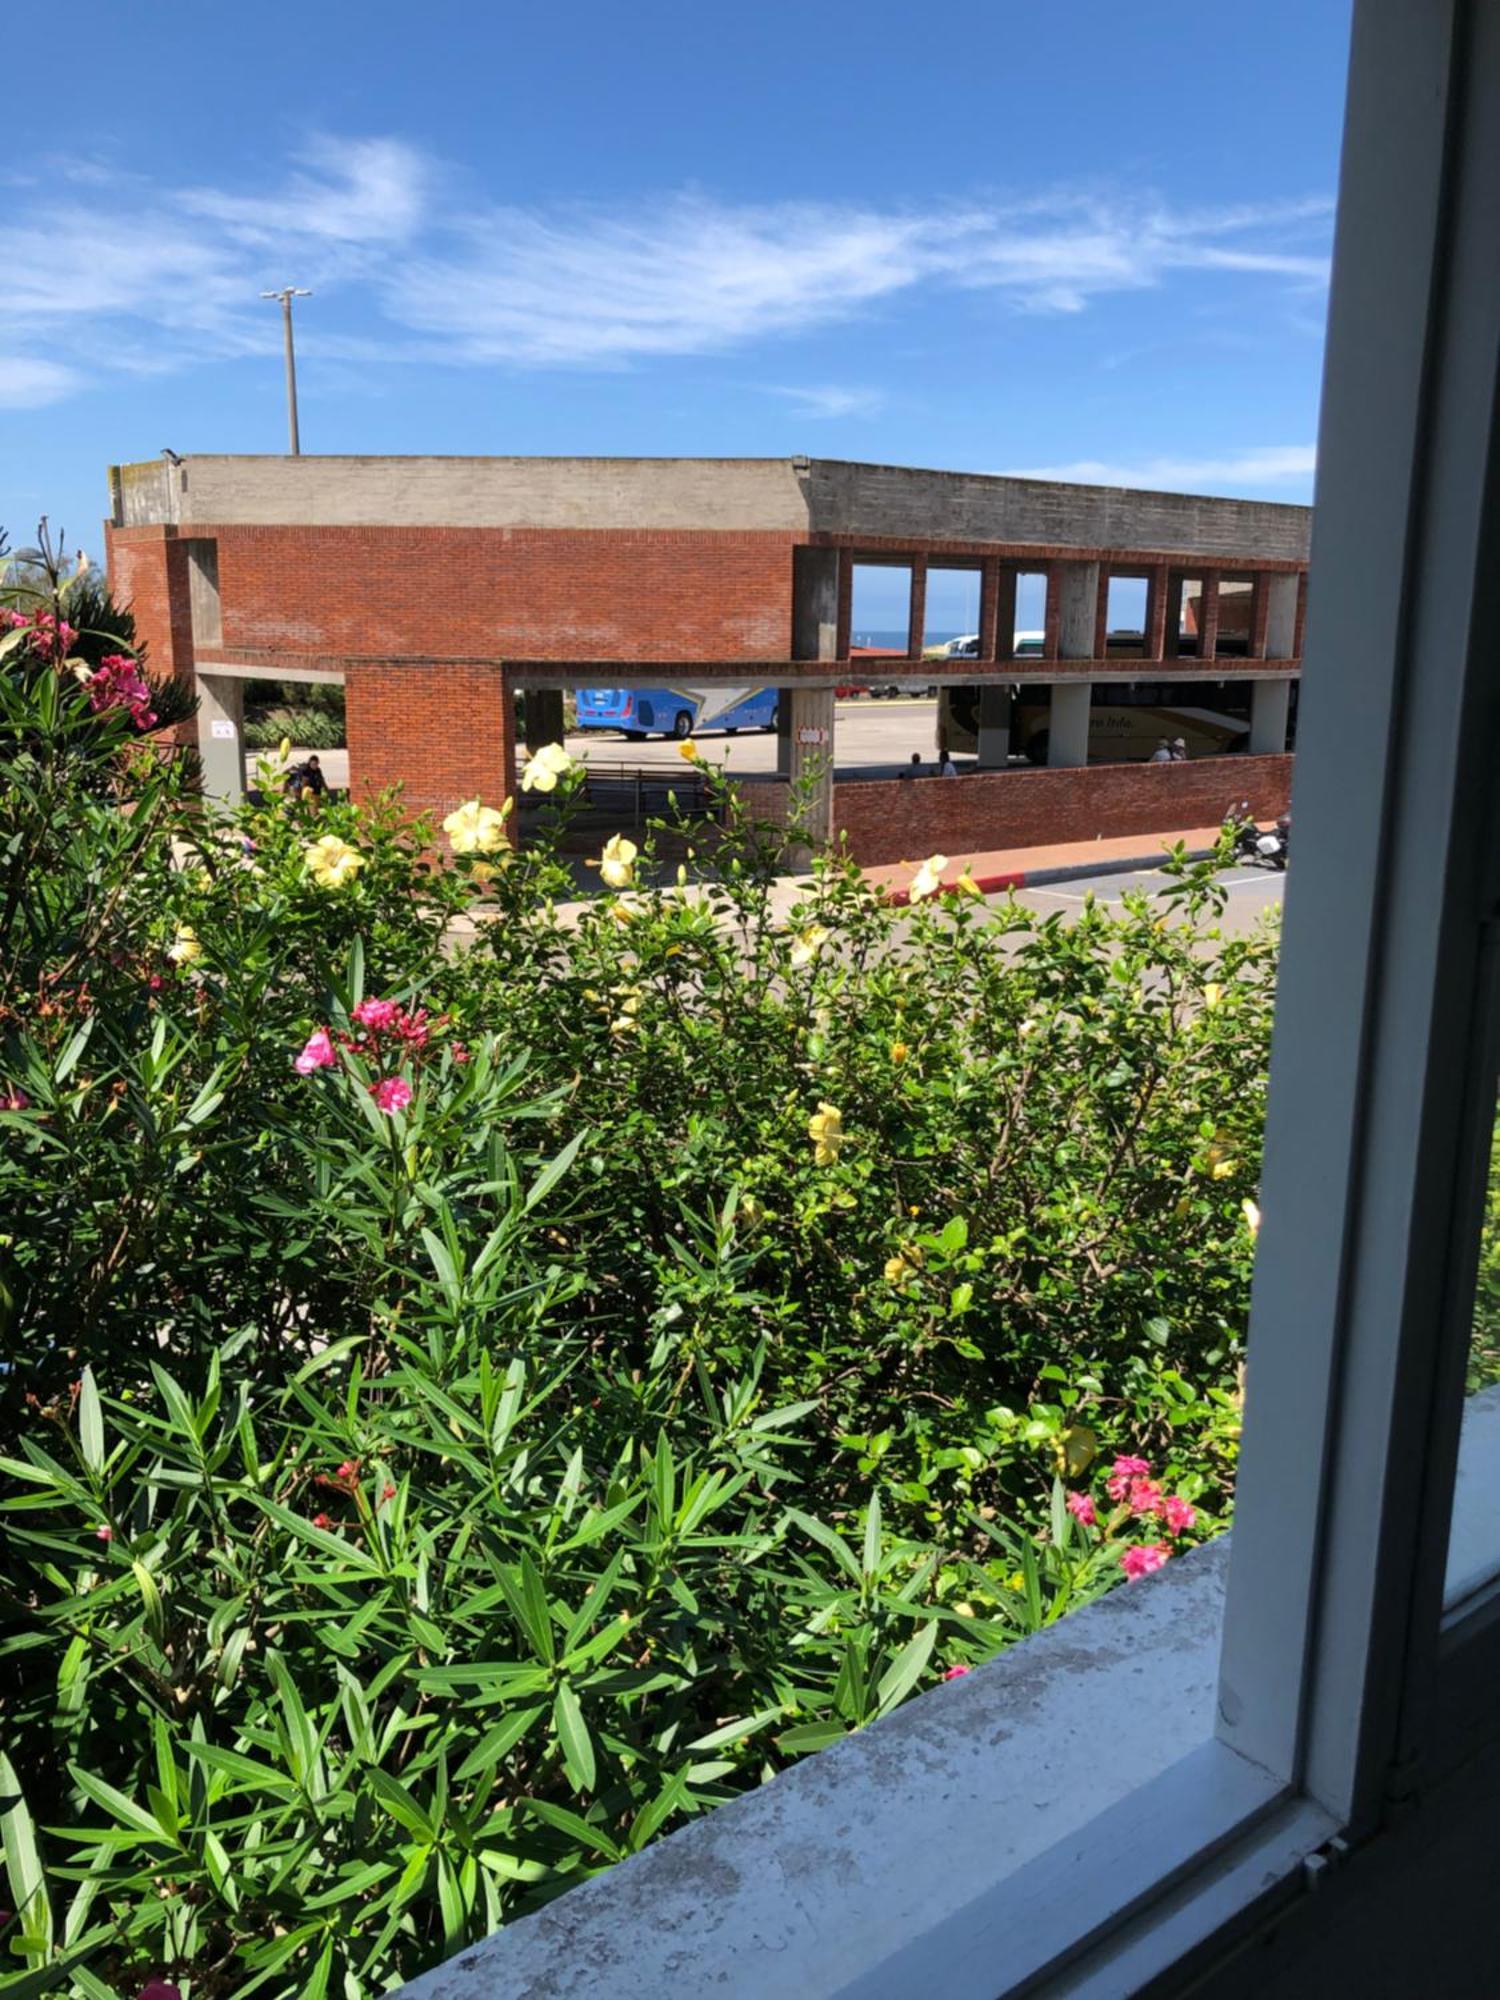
{"x": 677, "y": 711}
{"x": 1127, "y": 719}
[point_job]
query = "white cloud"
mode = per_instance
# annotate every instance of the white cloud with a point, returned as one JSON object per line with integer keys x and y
{"x": 356, "y": 191}
{"x": 127, "y": 275}
{"x": 26, "y": 383}
{"x": 1263, "y": 465}
{"x": 828, "y": 399}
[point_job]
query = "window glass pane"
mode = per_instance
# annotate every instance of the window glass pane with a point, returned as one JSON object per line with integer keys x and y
{"x": 1474, "y": 1536}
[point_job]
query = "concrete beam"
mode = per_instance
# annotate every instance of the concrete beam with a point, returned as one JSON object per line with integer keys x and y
{"x": 805, "y": 752}
{"x": 544, "y": 716}
{"x": 1281, "y": 589}
{"x": 221, "y": 730}
{"x": 1270, "y": 704}
{"x": 1068, "y": 726}
{"x": 994, "y": 728}
{"x": 1077, "y": 602}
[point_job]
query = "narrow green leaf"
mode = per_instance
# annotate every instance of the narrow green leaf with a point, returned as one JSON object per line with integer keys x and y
{"x": 902, "y": 1675}
{"x": 573, "y": 1735}
{"x": 90, "y": 1423}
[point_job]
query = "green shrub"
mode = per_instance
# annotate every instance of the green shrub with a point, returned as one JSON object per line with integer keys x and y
{"x": 472, "y": 1407}
{"x": 307, "y": 728}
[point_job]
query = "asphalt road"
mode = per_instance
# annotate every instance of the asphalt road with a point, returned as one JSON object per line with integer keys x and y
{"x": 1252, "y": 891}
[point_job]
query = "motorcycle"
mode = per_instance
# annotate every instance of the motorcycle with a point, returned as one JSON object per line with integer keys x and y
{"x": 1268, "y": 849}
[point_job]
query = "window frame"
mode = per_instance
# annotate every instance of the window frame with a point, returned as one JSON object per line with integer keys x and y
{"x": 1344, "y": 1687}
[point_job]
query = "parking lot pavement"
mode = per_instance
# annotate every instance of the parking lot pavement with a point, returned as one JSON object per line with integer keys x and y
{"x": 1252, "y": 891}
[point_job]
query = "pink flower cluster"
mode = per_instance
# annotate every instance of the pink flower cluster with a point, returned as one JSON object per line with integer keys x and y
{"x": 384, "y": 1034}
{"x": 51, "y": 636}
{"x": 119, "y": 683}
{"x": 1137, "y": 1496}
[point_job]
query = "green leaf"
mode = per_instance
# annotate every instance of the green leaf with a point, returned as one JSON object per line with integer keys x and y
{"x": 573, "y": 1735}
{"x": 808, "y": 1736}
{"x": 497, "y": 1743}
{"x": 400, "y": 1804}
{"x": 553, "y": 1172}
{"x": 23, "y": 1867}
{"x": 115, "y": 1803}
{"x": 902, "y": 1675}
{"x": 90, "y": 1423}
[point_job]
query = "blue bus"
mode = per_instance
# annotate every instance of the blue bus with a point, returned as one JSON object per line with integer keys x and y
{"x": 676, "y": 711}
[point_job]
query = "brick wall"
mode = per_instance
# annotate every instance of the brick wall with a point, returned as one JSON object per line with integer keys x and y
{"x": 446, "y": 733}
{"x": 149, "y": 572}
{"x": 507, "y": 592}
{"x": 903, "y": 819}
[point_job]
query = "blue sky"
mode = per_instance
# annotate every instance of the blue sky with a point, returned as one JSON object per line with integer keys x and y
{"x": 1073, "y": 238}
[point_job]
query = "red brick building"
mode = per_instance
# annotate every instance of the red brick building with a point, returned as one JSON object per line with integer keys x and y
{"x": 435, "y": 588}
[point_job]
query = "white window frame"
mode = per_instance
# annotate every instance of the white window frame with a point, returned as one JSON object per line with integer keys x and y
{"x": 1345, "y": 1687}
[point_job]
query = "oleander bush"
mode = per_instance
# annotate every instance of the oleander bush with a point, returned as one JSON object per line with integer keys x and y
{"x": 485, "y": 1382}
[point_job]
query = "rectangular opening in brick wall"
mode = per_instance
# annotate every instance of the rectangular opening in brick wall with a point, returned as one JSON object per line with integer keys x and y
{"x": 1127, "y": 606}
{"x": 880, "y": 607}
{"x": 952, "y": 611}
{"x": 1031, "y": 609}
{"x": 894, "y": 820}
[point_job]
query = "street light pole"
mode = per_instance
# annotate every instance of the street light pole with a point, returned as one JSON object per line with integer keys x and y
{"x": 286, "y": 295}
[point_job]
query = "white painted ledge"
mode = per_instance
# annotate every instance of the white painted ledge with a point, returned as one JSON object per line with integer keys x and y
{"x": 948, "y": 1849}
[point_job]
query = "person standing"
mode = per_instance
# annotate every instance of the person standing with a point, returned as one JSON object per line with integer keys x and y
{"x": 1162, "y": 754}
{"x": 1179, "y": 751}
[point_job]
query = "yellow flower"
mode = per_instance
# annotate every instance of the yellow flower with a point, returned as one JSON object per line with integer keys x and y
{"x": 687, "y": 749}
{"x": 905, "y": 1264}
{"x": 1016, "y": 1581}
{"x": 1074, "y": 1451}
{"x": 969, "y": 886}
{"x": 1221, "y": 1169}
{"x": 964, "y": 1610}
{"x": 928, "y": 878}
{"x": 185, "y": 947}
{"x": 617, "y": 863}
{"x": 623, "y": 913}
{"x": 1212, "y": 994}
{"x": 332, "y": 862}
{"x": 483, "y": 873}
{"x": 475, "y": 829}
{"x": 752, "y": 1210}
{"x": 809, "y": 943}
{"x": 1252, "y": 1216}
{"x": 284, "y": 748}
{"x": 899, "y": 1052}
{"x": 549, "y": 764}
{"x": 826, "y": 1130}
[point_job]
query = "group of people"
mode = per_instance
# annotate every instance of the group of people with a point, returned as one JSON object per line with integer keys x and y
{"x": 1169, "y": 750}
{"x": 946, "y": 766}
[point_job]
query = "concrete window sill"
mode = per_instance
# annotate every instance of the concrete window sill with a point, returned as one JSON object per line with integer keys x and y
{"x": 957, "y": 1846}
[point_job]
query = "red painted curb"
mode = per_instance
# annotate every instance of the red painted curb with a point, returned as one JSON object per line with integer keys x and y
{"x": 987, "y": 885}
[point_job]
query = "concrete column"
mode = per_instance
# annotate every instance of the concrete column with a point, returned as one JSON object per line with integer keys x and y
{"x": 221, "y": 730}
{"x": 1281, "y": 615}
{"x": 1068, "y": 725}
{"x": 1078, "y": 602}
{"x": 544, "y": 717}
{"x": 994, "y": 728}
{"x": 1078, "y": 598}
{"x": 1270, "y": 703}
{"x": 807, "y": 714}
{"x": 815, "y": 604}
